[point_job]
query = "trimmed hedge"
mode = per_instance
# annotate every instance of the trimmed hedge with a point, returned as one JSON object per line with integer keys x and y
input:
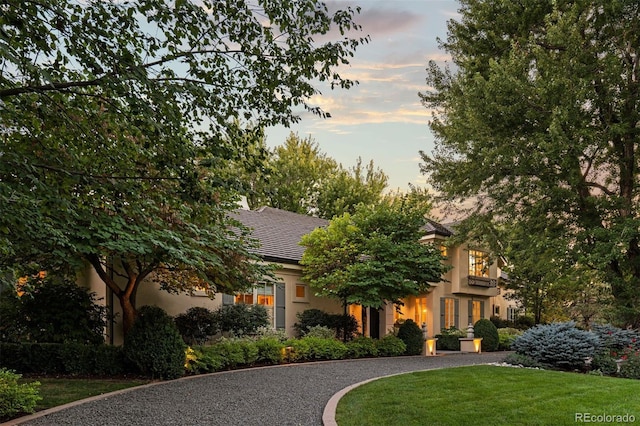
{"x": 63, "y": 358}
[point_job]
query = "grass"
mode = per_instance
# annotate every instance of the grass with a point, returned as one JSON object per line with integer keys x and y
{"x": 60, "y": 391}
{"x": 487, "y": 395}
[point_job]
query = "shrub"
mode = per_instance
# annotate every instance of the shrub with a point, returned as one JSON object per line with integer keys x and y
{"x": 630, "y": 367}
{"x": 234, "y": 353}
{"x": 270, "y": 350}
{"x": 524, "y": 322}
{"x": 361, "y": 347}
{"x": 320, "y": 348}
{"x": 55, "y": 310}
{"x": 197, "y": 325}
{"x": 499, "y": 322}
{"x": 154, "y": 346}
{"x": 489, "y": 333}
{"x": 411, "y": 334}
{"x": 506, "y": 336}
{"x": 522, "y": 360}
{"x": 448, "y": 339}
{"x": 604, "y": 363}
{"x": 390, "y": 345}
{"x": 310, "y": 318}
{"x": 558, "y": 345}
{"x": 297, "y": 350}
{"x": 320, "y": 331}
{"x": 614, "y": 338}
{"x": 344, "y": 326}
{"x": 270, "y": 333}
{"x": 204, "y": 359}
{"x": 241, "y": 320}
{"x": 16, "y": 398}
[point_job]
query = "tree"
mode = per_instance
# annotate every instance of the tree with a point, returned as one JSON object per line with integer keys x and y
{"x": 115, "y": 114}
{"x": 343, "y": 191}
{"x": 298, "y": 177}
{"x": 539, "y": 119}
{"x": 299, "y": 169}
{"x": 373, "y": 256}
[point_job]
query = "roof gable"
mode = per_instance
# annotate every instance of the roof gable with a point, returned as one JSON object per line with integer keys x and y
{"x": 279, "y": 232}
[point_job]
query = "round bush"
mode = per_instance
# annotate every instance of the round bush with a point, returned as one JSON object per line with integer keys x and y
{"x": 487, "y": 330}
{"x": 154, "y": 345}
{"x": 411, "y": 334}
{"x": 197, "y": 325}
{"x": 557, "y": 345}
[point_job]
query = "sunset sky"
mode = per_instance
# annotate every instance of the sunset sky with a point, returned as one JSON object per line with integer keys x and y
{"x": 382, "y": 118}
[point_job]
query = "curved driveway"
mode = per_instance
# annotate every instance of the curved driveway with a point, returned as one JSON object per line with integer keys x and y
{"x": 294, "y": 394}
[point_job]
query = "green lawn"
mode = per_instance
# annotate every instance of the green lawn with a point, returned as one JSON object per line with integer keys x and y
{"x": 56, "y": 391}
{"x": 489, "y": 395}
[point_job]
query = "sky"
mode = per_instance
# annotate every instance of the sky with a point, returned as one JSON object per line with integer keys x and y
{"x": 382, "y": 119}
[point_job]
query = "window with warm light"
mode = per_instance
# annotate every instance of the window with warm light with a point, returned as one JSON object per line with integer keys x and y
{"x": 449, "y": 312}
{"x": 476, "y": 306}
{"x": 301, "y": 291}
{"x": 478, "y": 263}
{"x": 262, "y": 295}
{"x": 443, "y": 250}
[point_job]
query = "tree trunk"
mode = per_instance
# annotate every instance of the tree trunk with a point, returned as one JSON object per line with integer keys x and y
{"x": 128, "y": 313}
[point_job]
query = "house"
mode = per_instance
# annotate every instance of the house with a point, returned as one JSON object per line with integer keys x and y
{"x": 468, "y": 291}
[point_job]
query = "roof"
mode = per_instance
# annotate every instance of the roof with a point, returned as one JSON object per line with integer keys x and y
{"x": 279, "y": 232}
{"x": 435, "y": 228}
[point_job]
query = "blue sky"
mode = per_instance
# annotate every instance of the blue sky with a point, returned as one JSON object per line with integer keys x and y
{"x": 382, "y": 118}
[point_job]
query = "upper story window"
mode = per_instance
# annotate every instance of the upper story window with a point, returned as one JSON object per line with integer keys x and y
{"x": 478, "y": 263}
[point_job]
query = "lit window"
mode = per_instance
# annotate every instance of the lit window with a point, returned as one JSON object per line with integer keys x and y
{"x": 265, "y": 295}
{"x": 301, "y": 291}
{"x": 449, "y": 312}
{"x": 476, "y": 311}
{"x": 443, "y": 251}
{"x": 478, "y": 263}
{"x": 259, "y": 296}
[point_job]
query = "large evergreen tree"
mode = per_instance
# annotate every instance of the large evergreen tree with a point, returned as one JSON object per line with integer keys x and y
{"x": 539, "y": 118}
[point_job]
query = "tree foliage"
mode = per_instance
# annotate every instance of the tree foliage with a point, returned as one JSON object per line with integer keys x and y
{"x": 298, "y": 176}
{"x": 373, "y": 256}
{"x": 116, "y": 117}
{"x": 539, "y": 120}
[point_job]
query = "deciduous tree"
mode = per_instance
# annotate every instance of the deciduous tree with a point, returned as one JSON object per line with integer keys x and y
{"x": 373, "y": 256}
{"x": 539, "y": 118}
{"x": 111, "y": 117}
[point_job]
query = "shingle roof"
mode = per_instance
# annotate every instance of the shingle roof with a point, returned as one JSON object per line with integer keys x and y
{"x": 433, "y": 227}
{"x": 279, "y": 232}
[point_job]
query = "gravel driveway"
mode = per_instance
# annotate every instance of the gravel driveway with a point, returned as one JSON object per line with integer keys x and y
{"x": 293, "y": 394}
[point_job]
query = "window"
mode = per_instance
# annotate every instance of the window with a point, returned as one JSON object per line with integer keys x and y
{"x": 262, "y": 295}
{"x": 448, "y": 312}
{"x": 443, "y": 250}
{"x": 512, "y": 314}
{"x": 477, "y": 311}
{"x": 420, "y": 311}
{"x": 301, "y": 291}
{"x": 478, "y": 263}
